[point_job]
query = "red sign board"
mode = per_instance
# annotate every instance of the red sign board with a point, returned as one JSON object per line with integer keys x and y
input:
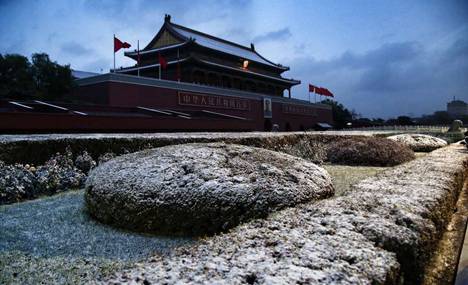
{"x": 299, "y": 110}
{"x": 212, "y": 101}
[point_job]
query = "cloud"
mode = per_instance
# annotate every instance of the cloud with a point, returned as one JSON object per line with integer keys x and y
{"x": 277, "y": 35}
{"x": 373, "y": 62}
{"x": 458, "y": 49}
{"x": 77, "y": 49}
{"x": 99, "y": 65}
{"x": 394, "y": 79}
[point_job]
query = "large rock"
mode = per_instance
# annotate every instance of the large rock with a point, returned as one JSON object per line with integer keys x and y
{"x": 200, "y": 188}
{"x": 419, "y": 142}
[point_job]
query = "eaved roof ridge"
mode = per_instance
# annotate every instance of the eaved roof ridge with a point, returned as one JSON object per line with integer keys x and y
{"x": 254, "y": 51}
{"x": 211, "y": 36}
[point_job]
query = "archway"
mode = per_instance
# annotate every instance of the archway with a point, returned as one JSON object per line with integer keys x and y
{"x": 267, "y": 125}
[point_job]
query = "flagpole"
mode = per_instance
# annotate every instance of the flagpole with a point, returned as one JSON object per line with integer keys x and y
{"x": 138, "y": 47}
{"x": 113, "y": 40}
{"x": 178, "y": 66}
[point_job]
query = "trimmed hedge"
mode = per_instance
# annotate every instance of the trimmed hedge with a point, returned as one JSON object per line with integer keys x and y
{"x": 312, "y": 150}
{"x": 372, "y": 151}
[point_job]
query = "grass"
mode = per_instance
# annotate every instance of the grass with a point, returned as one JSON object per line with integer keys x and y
{"x": 420, "y": 154}
{"x": 344, "y": 176}
{"x": 17, "y": 267}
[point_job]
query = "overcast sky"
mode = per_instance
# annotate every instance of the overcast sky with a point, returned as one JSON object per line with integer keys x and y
{"x": 381, "y": 58}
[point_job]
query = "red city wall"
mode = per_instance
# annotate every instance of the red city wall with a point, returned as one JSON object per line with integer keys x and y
{"x": 111, "y": 107}
{"x": 125, "y": 95}
{"x": 41, "y": 123}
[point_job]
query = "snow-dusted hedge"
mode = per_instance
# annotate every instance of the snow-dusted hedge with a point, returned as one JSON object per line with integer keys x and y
{"x": 381, "y": 232}
{"x": 20, "y": 182}
{"x": 39, "y": 148}
{"x": 368, "y": 151}
{"x": 419, "y": 142}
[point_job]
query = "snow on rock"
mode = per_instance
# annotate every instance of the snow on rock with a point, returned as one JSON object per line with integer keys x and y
{"x": 419, "y": 142}
{"x": 381, "y": 232}
{"x": 200, "y": 188}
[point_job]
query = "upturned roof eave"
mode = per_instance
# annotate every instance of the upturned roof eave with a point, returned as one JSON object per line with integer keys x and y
{"x": 177, "y": 34}
{"x": 284, "y": 80}
{"x": 133, "y": 54}
{"x": 135, "y": 68}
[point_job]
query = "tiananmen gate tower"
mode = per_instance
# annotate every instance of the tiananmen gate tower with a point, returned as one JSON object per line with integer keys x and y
{"x": 182, "y": 80}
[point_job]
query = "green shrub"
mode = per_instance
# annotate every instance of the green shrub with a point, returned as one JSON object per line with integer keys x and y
{"x": 370, "y": 151}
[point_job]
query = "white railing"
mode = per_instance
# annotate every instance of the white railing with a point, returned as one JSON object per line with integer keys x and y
{"x": 418, "y": 128}
{"x": 438, "y": 131}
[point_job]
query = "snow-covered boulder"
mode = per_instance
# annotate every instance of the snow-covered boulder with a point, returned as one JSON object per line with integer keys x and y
{"x": 200, "y": 188}
{"x": 419, "y": 142}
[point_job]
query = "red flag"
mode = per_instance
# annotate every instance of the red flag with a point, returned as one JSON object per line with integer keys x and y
{"x": 320, "y": 90}
{"x": 162, "y": 61}
{"x": 311, "y": 88}
{"x": 118, "y": 44}
{"x": 328, "y": 93}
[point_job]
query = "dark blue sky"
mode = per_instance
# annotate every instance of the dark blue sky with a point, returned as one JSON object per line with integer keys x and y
{"x": 381, "y": 58}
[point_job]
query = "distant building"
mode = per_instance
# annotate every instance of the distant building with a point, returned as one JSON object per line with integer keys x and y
{"x": 457, "y": 108}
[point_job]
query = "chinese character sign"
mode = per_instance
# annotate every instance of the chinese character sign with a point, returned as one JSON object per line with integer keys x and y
{"x": 299, "y": 110}
{"x": 211, "y": 101}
